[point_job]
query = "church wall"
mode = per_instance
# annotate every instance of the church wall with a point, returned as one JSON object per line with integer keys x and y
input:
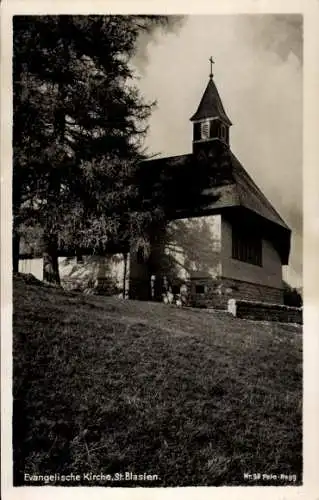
{"x": 104, "y": 273}
{"x": 186, "y": 251}
{"x": 245, "y": 290}
{"x": 32, "y": 266}
{"x": 197, "y": 251}
{"x": 244, "y": 280}
{"x": 192, "y": 256}
{"x": 192, "y": 247}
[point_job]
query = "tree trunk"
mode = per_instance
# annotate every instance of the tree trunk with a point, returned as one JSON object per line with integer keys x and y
{"x": 50, "y": 252}
{"x": 50, "y": 259}
{"x": 158, "y": 288}
{"x": 124, "y": 277}
{"x": 15, "y": 251}
{"x": 79, "y": 256}
{"x": 158, "y": 239}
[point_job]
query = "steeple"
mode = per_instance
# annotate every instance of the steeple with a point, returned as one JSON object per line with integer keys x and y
{"x": 210, "y": 121}
{"x": 211, "y": 105}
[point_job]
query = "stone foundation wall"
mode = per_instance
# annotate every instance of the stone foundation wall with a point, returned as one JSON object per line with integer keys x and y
{"x": 237, "y": 289}
{"x": 262, "y": 311}
{"x": 208, "y": 292}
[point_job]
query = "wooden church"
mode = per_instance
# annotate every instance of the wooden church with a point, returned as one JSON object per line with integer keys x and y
{"x": 223, "y": 239}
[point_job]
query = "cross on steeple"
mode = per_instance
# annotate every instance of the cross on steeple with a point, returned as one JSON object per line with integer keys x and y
{"x": 211, "y": 60}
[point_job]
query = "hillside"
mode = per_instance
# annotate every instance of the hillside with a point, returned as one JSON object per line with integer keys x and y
{"x": 110, "y": 386}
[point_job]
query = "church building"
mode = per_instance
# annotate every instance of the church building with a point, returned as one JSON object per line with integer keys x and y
{"x": 223, "y": 239}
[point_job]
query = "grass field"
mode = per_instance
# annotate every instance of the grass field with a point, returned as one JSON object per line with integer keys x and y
{"x": 109, "y": 386}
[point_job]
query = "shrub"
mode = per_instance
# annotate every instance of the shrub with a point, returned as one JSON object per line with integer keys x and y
{"x": 292, "y": 297}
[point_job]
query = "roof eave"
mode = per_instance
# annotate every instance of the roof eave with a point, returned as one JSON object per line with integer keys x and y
{"x": 198, "y": 116}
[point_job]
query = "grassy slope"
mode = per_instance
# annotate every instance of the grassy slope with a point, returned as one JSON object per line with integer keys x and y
{"x": 107, "y": 385}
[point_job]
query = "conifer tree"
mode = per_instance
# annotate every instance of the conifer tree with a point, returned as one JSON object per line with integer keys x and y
{"x": 79, "y": 124}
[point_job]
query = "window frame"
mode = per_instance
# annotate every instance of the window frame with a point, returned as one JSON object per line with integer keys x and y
{"x": 247, "y": 247}
{"x": 202, "y": 287}
{"x": 205, "y": 126}
{"x": 223, "y": 132}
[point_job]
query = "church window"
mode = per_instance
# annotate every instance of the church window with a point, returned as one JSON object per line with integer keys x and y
{"x": 205, "y": 129}
{"x": 200, "y": 289}
{"x": 246, "y": 247}
{"x": 223, "y": 132}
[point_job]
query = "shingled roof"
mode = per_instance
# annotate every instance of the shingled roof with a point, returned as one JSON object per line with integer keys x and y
{"x": 211, "y": 105}
{"x": 247, "y": 192}
{"x": 251, "y": 197}
{"x": 239, "y": 191}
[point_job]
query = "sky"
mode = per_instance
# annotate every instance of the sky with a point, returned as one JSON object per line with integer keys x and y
{"x": 258, "y": 72}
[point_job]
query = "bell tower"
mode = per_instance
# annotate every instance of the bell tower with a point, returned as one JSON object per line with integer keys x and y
{"x": 210, "y": 122}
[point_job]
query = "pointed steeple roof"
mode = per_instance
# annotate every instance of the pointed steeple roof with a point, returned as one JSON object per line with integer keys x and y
{"x": 211, "y": 105}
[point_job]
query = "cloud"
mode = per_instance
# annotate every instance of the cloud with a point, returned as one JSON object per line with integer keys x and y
{"x": 165, "y": 25}
{"x": 277, "y": 33}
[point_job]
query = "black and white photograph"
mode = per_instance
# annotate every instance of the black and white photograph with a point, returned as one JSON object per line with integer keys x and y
{"x": 157, "y": 250}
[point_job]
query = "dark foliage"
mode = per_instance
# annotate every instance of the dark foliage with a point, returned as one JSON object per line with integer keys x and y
{"x": 292, "y": 297}
{"x": 79, "y": 123}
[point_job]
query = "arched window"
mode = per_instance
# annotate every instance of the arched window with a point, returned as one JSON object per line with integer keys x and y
{"x": 205, "y": 130}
